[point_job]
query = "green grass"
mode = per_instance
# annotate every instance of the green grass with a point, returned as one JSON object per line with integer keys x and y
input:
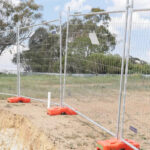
{"x": 38, "y": 85}
{"x": 8, "y": 83}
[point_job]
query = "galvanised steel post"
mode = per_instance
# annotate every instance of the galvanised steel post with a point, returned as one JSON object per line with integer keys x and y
{"x": 126, "y": 70}
{"x": 18, "y": 61}
{"x": 122, "y": 68}
{"x": 61, "y": 84}
{"x": 66, "y": 55}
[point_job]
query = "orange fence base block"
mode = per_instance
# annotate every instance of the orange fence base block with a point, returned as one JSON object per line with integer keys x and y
{"x": 115, "y": 144}
{"x": 110, "y": 144}
{"x": 18, "y": 99}
{"x": 135, "y": 144}
{"x": 60, "y": 111}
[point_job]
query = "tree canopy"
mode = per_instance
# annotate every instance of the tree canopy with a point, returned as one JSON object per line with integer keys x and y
{"x": 79, "y": 34}
{"x": 80, "y": 46}
{"x": 83, "y": 56}
{"x": 43, "y": 53}
{"x": 11, "y": 16}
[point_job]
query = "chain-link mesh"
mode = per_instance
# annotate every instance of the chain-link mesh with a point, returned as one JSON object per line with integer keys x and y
{"x": 95, "y": 49}
{"x": 8, "y": 70}
{"x": 137, "y": 114}
{"x": 40, "y": 61}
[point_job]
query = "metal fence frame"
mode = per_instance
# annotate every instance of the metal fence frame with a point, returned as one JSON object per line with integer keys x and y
{"x": 18, "y": 84}
{"x": 122, "y": 68}
{"x": 123, "y": 77}
{"x": 132, "y": 10}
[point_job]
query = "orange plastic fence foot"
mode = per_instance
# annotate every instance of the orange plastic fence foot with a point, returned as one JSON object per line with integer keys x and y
{"x": 115, "y": 144}
{"x": 135, "y": 144}
{"x": 18, "y": 99}
{"x": 60, "y": 111}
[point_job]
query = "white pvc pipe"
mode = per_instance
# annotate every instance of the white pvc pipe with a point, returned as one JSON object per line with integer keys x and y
{"x": 49, "y": 100}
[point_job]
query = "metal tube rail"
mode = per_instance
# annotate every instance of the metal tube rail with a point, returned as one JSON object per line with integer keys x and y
{"x": 39, "y": 100}
{"x": 126, "y": 69}
{"x": 34, "y": 99}
{"x": 134, "y": 148}
{"x": 18, "y": 61}
{"x": 61, "y": 84}
{"x": 39, "y": 24}
{"x": 90, "y": 120}
{"x": 66, "y": 55}
{"x": 34, "y": 25}
{"x": 7, "y": 94}
{"x": 122, "y": 69}
{"x": 99, "y": 13}
{"x": 139, "y": 10}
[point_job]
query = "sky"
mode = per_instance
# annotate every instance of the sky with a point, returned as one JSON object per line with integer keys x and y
{"x": 140, "y": 37}
{"x": 51, "y": 8}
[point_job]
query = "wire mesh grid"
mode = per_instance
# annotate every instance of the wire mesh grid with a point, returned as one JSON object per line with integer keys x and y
{"x": 95, "y": 49}
{"x": 40, "y": 61}
{"x": 137, "y": 115}
{"x": 8, "y": 70}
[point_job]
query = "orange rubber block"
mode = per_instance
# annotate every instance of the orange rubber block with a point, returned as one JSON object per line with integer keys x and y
{"x": 103, "y": 145}
{"x": 117, "y": 144}
{"x": 69, "y": 111}
{"x": 54, "y": 111}
{"x": 25, "y": 100}
{"x": 13, "y": 99}
{"x": 18, "y": 99}
{"x": 112, "y": 144}
{"x": 135, "y": 144}
{"x": 60, "y": 111}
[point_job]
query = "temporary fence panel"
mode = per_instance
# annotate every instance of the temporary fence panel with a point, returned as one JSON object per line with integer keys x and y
{"x": 40, "y": 60}
{"x": 95, "y": 72}
{"x": 136, "y": 124}
{"x": 95, "y": 47}
{"x": 8, "y": 70}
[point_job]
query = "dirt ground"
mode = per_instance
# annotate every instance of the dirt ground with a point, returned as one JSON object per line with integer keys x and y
{"x": 65, "y": 132}
{"x": 74, "y": 132}
{"x": 19, "y": 133}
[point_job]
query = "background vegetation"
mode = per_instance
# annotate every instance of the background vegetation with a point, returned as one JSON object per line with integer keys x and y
{"x": 43, "y": 42}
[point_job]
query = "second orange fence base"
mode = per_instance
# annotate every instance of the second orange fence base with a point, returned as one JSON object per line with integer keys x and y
{"x": 18, "y": 99}
{"x": 115, "y": 144}
{"x": 60, "y": 111}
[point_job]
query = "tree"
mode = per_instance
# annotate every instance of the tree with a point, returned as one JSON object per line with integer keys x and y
{"x": 79, "y": 34}
{"x": 80, "y": 45}
{"x": 43, "y": 53}
{"x": 43, "y": 57}
{"x": 23, "y": 14}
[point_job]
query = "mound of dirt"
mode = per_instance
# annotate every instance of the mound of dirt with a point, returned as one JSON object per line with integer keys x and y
{"x": 62, "y": 132}
{"x": 18, "y": 133}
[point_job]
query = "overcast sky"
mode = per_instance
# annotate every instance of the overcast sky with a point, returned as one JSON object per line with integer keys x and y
{"x": 140, "y": 43}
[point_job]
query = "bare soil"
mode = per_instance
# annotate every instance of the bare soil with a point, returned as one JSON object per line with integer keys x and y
{"x": 18, "y": 133}
{"x": 74, "y": 132}
{"x": 63, "y": 132}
